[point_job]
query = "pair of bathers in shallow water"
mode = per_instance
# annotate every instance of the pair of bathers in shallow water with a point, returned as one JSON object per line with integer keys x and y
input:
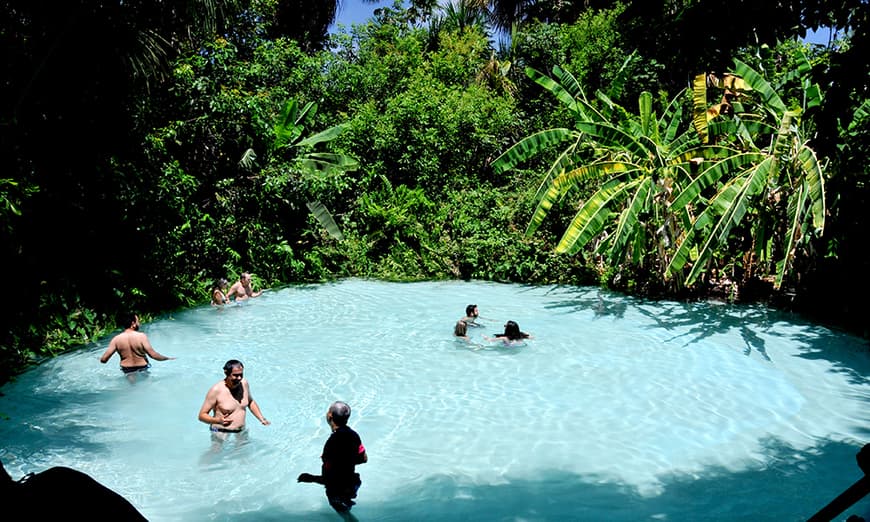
{"x": 132, "y": 369}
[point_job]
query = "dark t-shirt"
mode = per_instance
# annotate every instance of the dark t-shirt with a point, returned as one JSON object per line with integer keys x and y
{"x": 341, "y": 453}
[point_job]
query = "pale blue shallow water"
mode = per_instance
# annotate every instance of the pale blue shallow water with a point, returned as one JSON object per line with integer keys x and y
{"x": 619, "y": 409}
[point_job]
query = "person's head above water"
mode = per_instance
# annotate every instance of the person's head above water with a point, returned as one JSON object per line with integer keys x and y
{"x": 461, "y": 329}
{"x": 129, "y": 320}
{"x": 471, "y": 311}
{"x": 235, "y": 372}
{"x": 512, "y": 331}
{"x": 232, "y": 363}
{"x": 339, "y": 413}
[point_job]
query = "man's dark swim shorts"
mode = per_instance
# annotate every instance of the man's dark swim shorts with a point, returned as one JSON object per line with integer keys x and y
{"x": 132, "y": 369}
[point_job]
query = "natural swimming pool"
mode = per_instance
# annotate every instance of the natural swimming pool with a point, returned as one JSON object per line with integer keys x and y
{"x": 619, "y": 409}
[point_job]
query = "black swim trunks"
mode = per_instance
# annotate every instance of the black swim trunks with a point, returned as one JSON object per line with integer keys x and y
{"x": 131, "y": 369}
{"x": 225, "y": 430}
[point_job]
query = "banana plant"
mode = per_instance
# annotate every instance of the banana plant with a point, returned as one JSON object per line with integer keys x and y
{"x": 771, "y": 174}
{"x": 288, "y": 139}
{"x": 640, "y": 162}
{"x": 288, "y": 132}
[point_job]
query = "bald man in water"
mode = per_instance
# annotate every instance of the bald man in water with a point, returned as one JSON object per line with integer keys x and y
{"x": 133, "y": 347}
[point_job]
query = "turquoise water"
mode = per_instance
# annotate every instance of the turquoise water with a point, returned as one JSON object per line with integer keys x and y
{"x": 618, "y": 409}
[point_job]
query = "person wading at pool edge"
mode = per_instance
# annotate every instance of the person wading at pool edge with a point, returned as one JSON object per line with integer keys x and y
{"x": 226, "y": 403}
{"x": 242, "y": 289}
{"x": 133, "y": 347}
{"x": 341, "y": 453}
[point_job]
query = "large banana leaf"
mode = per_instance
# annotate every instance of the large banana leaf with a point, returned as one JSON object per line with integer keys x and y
{"x": 702, "y": 114}
{"x": 769, "y": 97}
{"x": 628, "y": 222}
{"x": 814, "y": 179}
{"x": 671, "y": 120}
{"x": 699, "y": 106}
{"x": 564, "y": 162}
{"x": 730, "y": 205}
{"x": 562, "y": 183}
{"x": 859, "y": 115}
{"x": 323, "y": 136}
{"x": 592, "y": 217}
{"x": 325, "y": 218}
{"x": 569, "y": 83}
{"x": 612, "y": 111}
{"x": 582, "y": 109}
{"x": 249, "y": 159}
{"x": 711, "y": 175}
{"x": 289, "y": 126}
{"x": 530, "y": 146}
{"x": 795, "y": 203}
{"x": 647, "y": 117}
{"x": 784, "y": 136}
{"x": 613, "y": 137}
{"x": 687, "y": 141}
{"x": 562, "y": 94}
{"x": 742, "y": 127}
{"x": 732, "y": 212}
{"x": 802, "y": 73}
{"x": 322, "y": 161}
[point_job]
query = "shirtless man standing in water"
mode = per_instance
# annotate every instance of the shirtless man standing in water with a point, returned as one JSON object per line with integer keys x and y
{"x": 242, "y": 289}
{"x": 227, "y": 402}
{"x": 133, "y": 347}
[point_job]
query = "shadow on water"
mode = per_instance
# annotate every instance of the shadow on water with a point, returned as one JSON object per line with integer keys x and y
{"x": 791, "y": 487}
{"x": 702, "y": 320}
{"x": 849, "y": 360}
{"x": 601, "y": 302}
{"x": 51, "y": 435}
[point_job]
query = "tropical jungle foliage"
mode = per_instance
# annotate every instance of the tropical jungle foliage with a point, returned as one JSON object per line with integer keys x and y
{"x": 148, "y": 150}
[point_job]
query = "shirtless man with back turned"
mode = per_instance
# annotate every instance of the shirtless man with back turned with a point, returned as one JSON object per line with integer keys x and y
{"x": 133, "y": 347}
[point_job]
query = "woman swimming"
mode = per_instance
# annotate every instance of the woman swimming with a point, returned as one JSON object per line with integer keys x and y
{"x": 511, "y": 332}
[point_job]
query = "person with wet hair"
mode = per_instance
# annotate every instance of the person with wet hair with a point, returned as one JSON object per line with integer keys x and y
{"x": 342, "y": 452}
{"x": 219, "y": 292}
{"x": 227, "y": 402}
{"x": 460, "y": 330}
{"x": 471, "y": 315}
{"x": 511, "y": 333}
